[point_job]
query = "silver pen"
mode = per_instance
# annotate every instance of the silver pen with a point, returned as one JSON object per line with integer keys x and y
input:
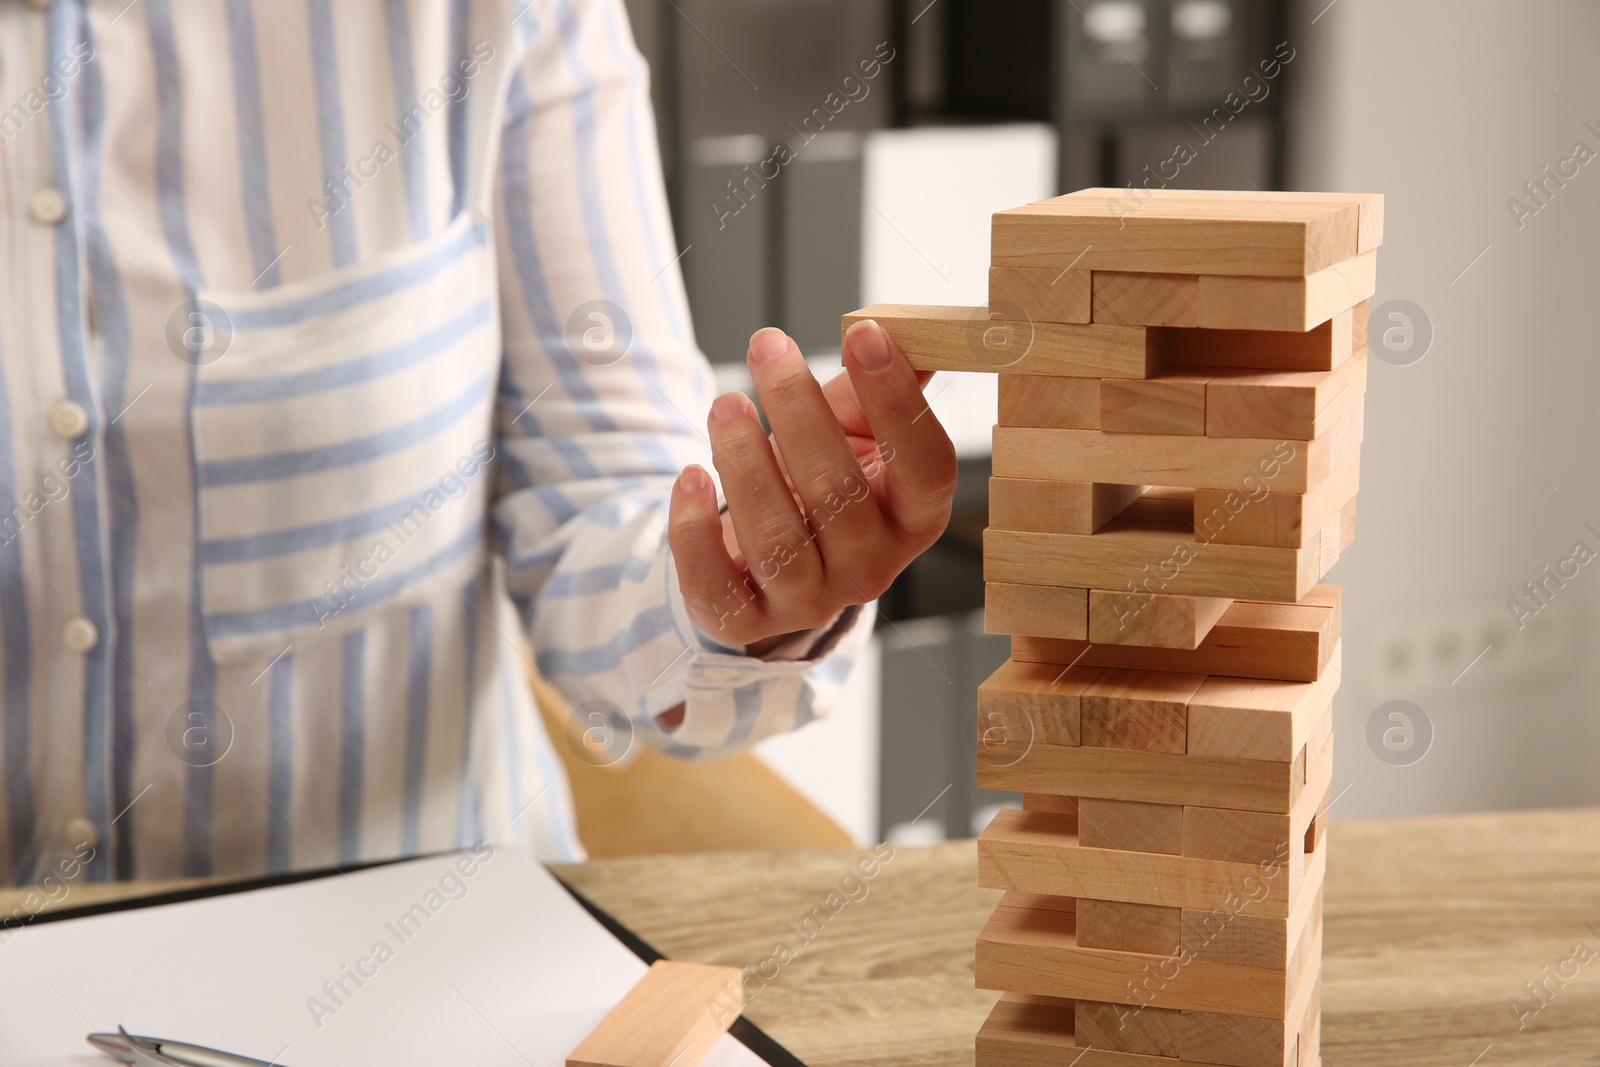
{"x": 156, "y": 1052}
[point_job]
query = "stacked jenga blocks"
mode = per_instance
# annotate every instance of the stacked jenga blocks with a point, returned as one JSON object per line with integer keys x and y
{"x": 1181, "y": 378}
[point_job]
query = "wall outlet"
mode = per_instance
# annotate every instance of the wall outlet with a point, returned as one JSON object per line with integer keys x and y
{"x": 1477, "y": 648}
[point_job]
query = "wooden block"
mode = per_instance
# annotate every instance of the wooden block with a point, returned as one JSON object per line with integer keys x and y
{"x": 1126, "y": 552}
{"x": 1177, "y": 231}
{"x": 1130, "y": 826}
{"x": 1124, "y": 1028}
{"x": 1153, "y": 777}
{"x": 1130, "y": 299}
{"x": 1319, "y": 349}
{"x": 1026, "y": 1031}
{"x": 1040, "y": 610}
{"x": 1237, "y": 1040}
{"x": 1042, "y": 294}
{"x": 1297, "y": 405}
{"x": 1028, "y": 851}
{"x": 1059, "y": 403}
{"x": 1309, "y": 1023}
{"x": 1369, "y": 224}
{"x": 1173, "y": 402}
{"x": 1185, "y": 460}
{"x": 1021, "y": 703}
{"x": 664, "y": 1021}
{"x": 1155, "y": 620}
{"x": 1253, "y": 639}
{"x": 1255, "y": 1042}
{"x": 1245, "y": 718}
{"x": 1125, "y": 927}
{"x": 1361, "y": 324}
{"x": 1240, "y": 836}
{"x": 1031, "y": 951}
{"x": 1224, "y": 934}
{"x": 1057, "y": 507}
{"x": 1218, "y": 936}
{"x": 1146, "y": 711}
{"x": 1278, "y": 520}
{"x": 1238, "y": 303}
{"x": 966, "y": 338}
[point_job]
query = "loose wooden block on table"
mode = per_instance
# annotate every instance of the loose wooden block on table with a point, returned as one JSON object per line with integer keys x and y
{"x": 1173, "y": 402}
{"x": 937, "y": 337}
{"x": 1145, "y": 711}
{"x": 1321, "y": 348}
{"x": 1034, "y": 951}
{"x": 1124, "y": 927}
{"x": 1123, "y": 1028}
{"x": 1250, "y": 718}
{"x": 1130, "y": 825}
{"x": 1137, "y": 299}
{"x": 1297, "y": 405}
{"x": 663, "y": 1020}
{"x": 1173, "y": 231}
{"x": 1040, "y": 506}
{"x": 1059, "y": 403}
{"x": 1174, "y": 460}
{"x": 1253, "y": 639}
{"x": 1042, "y": 610}
{"x": 1278, "y": 520}
{"x": 1158, "y": 620}
{"x": 1238, "y": 303}
{"x": 1042, "y": 294}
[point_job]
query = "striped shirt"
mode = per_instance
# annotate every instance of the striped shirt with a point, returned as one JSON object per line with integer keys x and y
{"x": 343, "y": 353}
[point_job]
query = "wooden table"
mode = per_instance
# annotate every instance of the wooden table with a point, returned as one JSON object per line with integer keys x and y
{"x": 1433, "y": 927}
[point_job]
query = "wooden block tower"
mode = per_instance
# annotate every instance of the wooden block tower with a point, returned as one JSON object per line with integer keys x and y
{"x": 1181, "y": 377}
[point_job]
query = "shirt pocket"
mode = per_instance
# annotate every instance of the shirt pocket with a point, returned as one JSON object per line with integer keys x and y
{"x": 343, "y": 443}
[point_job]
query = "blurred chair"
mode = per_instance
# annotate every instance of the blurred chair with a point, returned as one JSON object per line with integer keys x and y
{"x": 654, "y": 803}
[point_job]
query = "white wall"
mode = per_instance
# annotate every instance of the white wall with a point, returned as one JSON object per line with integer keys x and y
{"x": 1448, "y": 108}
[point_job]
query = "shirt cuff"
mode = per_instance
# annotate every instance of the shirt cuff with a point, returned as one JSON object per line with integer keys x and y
{"x": 731, "y": 700}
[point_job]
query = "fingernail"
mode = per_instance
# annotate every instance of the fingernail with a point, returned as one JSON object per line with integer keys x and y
{"x": 768, "y": 343}
{"x": 728, "y": 406}
{"x": 694, "y": 479}
{"x": 869, "y": 345}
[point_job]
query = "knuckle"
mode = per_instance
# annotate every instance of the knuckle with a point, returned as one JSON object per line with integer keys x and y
{"x": 740, "y": 444}
{"x": 871, "y": 578}
{"x": 787, "y": 387}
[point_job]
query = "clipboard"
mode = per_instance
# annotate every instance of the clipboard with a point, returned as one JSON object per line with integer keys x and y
{"x": 747, "y": 1034}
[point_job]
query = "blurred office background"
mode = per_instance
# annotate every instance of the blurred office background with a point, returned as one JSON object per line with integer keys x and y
{"x": 910, "y": 121}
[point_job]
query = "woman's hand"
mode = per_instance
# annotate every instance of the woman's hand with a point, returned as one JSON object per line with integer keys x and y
{"x": 854, "y": 483}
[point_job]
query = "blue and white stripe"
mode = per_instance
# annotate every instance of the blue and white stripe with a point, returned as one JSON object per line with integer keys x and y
{"x": 311, "y": 297}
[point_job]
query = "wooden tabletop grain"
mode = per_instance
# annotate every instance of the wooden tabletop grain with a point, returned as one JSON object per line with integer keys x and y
{"x": 1437, "y": 930}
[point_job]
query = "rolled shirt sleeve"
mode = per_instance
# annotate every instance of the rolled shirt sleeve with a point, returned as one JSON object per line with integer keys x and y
{"x": 602, "y": 401}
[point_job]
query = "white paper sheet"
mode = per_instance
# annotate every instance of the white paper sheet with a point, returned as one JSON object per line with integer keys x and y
{"x": 501, "y": 967}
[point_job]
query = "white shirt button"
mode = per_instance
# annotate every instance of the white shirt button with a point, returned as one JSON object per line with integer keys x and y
{"x": 80, "y": 635}
{"x": 47, "y": 206}
{"x": 80, "y": 831}
{"x": 67, "y": 419}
